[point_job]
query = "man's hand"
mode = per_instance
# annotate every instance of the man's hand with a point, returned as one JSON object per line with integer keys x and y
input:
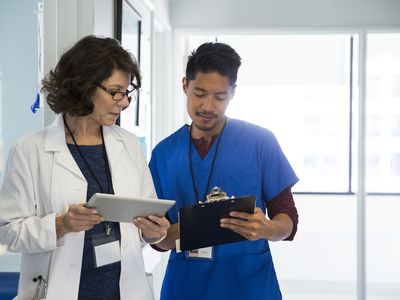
{"x": 256, "y": 226}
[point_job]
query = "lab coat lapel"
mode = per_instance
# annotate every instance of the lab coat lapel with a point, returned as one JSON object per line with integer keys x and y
{"x": 56, "y": 142}
{"x": 114, "y": 147}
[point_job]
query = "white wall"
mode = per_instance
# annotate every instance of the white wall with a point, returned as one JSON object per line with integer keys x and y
{"x": 65, "y": 22}
{"x": 284, "y": 13}
{"x": 19, "y": 82}
{"x": 19, "y": 71}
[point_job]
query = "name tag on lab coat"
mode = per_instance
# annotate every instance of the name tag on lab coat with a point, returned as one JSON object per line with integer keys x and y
{"x": 107, "y": 253}
{"x": 106, "y": 249}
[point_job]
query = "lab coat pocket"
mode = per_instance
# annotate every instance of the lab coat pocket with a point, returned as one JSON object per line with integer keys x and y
{"x": 34, "y": 275}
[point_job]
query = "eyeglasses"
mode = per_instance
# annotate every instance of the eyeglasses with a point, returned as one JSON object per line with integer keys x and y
{"x": 118, "y": 95}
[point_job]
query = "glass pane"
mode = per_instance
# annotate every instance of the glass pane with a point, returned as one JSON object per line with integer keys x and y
{"x": 383, "y": 166}
{"x": 130, "y": 35}
{"x": 298, "y": 87}
{"x": 383, "y": 113}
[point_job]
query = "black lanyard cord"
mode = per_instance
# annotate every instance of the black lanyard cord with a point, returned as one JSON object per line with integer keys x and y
{"x": 107, "y": 167}
{"x": 212, "y": 164}
{"x": 108, "y": 176}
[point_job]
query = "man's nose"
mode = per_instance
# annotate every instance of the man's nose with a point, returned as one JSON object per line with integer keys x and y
{"x": 208, "y": 103}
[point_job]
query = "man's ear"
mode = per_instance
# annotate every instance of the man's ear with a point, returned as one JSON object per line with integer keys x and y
{"x": 185, "y": 84}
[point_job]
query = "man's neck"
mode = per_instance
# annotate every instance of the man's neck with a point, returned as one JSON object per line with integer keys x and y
{"x": 207, "y": 135}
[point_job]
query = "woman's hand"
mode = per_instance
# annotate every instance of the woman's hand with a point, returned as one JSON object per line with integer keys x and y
{"x": 153, "y": 228}
{"x": 78, "y": 218}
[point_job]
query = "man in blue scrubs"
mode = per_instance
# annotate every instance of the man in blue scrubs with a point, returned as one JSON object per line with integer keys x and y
{"x": 241, "y": 159}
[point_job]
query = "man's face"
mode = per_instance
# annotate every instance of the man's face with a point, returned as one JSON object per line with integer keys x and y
{"x": 208, "y": 96}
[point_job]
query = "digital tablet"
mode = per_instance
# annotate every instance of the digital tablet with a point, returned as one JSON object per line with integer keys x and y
{"x": 116, "y": 208}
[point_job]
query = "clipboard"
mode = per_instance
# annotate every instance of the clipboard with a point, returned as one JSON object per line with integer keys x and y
{"x": 114, "y": 208}
{"x": 199, "y": 224}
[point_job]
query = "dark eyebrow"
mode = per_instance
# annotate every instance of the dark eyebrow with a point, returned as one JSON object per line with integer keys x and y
{"x": 204, "y": 91}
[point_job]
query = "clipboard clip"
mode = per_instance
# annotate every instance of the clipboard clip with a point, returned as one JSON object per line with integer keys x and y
{"x": 215, "y": 195}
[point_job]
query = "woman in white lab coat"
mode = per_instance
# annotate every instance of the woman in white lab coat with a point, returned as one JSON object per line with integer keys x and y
{"x": 50, "y": 174}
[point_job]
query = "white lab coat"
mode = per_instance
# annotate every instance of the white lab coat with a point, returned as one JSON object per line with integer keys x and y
{"x": 43, "y": 179}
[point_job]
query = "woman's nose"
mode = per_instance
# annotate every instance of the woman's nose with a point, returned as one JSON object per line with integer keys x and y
{"x": 124, "y": 102}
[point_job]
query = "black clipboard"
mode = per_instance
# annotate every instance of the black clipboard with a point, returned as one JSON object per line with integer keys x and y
{"x": 199, "y": 224}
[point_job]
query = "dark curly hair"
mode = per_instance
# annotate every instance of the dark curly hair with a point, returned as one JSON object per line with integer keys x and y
{"x": 81, "y": 69}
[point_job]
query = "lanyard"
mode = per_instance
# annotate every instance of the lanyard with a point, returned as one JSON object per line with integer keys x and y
{"x": 107, "y": 167}
{"x": 212, "y": 164}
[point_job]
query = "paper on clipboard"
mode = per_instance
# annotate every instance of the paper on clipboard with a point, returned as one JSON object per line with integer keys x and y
{"x": 199, "y": 224}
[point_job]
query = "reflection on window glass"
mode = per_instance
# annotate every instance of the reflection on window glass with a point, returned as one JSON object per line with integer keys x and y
{"x": 383, "y": 109}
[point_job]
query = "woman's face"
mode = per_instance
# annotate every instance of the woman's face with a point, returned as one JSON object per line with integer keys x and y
{"x": 106, "y": 109}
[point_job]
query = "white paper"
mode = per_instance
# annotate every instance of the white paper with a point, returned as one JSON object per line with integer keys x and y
{"x": 107, "y": 253}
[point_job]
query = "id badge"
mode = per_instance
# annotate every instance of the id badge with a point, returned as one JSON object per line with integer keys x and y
{"x": 106, "y": 249}
{"x": 201, "y": 253}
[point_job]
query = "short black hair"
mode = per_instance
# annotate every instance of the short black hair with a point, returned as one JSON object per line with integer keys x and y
{"x": 81, "y": 69}
{"x": 214, "y": 57}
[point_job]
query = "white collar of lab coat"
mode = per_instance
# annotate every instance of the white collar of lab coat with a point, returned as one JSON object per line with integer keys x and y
{"x": 55, "y": 141}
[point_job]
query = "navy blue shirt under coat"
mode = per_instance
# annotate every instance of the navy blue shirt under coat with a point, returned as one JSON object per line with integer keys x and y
{"x": 102, "y": 281}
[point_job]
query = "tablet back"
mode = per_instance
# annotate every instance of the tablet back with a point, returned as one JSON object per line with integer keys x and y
{"x": 116, "y": 208}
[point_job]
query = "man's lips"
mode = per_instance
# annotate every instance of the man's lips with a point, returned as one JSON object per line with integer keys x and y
{"x": 207, "y": 116}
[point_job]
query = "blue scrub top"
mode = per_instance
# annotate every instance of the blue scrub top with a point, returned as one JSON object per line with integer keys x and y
{"x": 249, "y": 162}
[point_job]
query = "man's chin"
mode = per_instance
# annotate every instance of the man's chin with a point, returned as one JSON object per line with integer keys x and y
{"x": 203, "y": 127}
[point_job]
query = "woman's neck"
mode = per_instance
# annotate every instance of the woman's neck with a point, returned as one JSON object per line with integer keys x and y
{"x": 85, "y": 130}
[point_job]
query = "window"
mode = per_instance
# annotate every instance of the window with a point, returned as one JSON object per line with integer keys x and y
{"x": 302, "y": 86}
{"x": 298, "y": 86}
{"x": 128, "y": 33}
{"x": 383, "y": 113}
{"x": 133, "y": 29}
